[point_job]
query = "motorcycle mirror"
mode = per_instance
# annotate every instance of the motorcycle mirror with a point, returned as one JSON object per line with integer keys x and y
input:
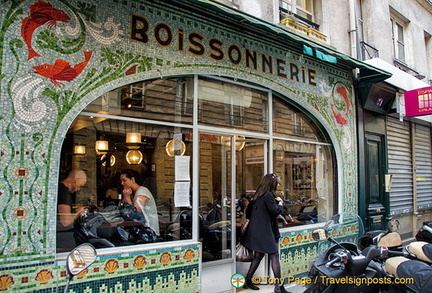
{"x": 320, "y": 234}
{"x": 80, "y": 258}
{"x": 393, "y": 225}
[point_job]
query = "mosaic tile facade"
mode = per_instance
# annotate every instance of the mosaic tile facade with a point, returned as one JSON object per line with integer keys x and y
{"x": 298, "y": 248}
{"x": 160, "y": 270}
{"x": 58, "y": 56}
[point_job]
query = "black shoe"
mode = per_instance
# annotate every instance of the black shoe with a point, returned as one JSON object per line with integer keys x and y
{"x": 280, "y": 289}
{"x": 250, "y": 285}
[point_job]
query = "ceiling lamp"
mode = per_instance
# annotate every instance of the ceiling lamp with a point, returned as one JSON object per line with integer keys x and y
{"x": 79, "y": 150}
{"x": 171, "y": 151}
{"x": 134, "y": 157}
{"x": 133, "y": 139}
{"x": 101, "y": 147}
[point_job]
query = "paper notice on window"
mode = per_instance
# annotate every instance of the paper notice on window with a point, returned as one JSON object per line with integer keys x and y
{"x": 105, "y": 102}
{"x": 182, "y": 194}
{"x": 182, "y": 168}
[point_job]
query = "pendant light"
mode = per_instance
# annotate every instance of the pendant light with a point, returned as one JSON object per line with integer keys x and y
{"x": 79, "y": 150}
{"x": 133, "y": 139}
{"x": 101, "y": 147}
{"x": 134, "y": 157}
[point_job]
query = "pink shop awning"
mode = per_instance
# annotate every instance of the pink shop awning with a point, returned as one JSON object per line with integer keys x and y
{"x": 418, "y": 102}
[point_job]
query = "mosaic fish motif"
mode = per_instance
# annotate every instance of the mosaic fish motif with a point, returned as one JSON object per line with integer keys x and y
{"x": 40, "y": 13}
{"x": 338, "y": 116}
{"x": 62, "y": 70}
{"x": 343, "y": 92}
{"x": 340, "y": 119}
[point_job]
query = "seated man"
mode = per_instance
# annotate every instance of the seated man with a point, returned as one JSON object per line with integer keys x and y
{"x": 66, "y": 189}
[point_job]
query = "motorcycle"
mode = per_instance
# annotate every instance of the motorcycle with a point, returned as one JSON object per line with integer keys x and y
{"x": 389, "y": 238}
{"x": 79, "y": 259}
{"x": 414, "y": 271}
{"x": 341, "y": 266}
{"x": 113, "y": 227}
{"x": 425, "y": 232}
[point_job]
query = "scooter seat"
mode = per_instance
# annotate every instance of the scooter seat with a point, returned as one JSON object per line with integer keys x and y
{"x": 422, "y": 250}
{"x": 392, "y": 264}
{"x": 392, "y": 239}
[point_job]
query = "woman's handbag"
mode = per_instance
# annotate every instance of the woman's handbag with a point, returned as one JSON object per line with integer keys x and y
{"x": 243, "y": 254}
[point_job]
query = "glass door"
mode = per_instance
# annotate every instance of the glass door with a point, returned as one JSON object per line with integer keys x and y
{"x": 231, "y": 167}
{"x": 250, "y": 166}
{"x": 215, "y": 196}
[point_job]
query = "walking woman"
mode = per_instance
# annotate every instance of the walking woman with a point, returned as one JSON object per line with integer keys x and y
{"x": 262, "y": 232}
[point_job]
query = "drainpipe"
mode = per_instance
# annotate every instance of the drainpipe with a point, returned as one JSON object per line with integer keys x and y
{"x": 416, "y": 214}
{"x": 353, "y": 28}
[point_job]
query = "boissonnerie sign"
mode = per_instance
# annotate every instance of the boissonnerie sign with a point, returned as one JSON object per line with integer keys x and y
{"x": 206, "y": 45}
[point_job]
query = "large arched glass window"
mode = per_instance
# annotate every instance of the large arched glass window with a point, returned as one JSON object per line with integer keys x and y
{"x": 148, "y": 128}
{"x": 303, "y": 157}
{"x": 140, "y": 128}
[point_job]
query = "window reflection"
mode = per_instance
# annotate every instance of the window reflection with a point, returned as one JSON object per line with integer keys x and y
{"x": 168, "y": 99}
{"x": 304, "y": 161}
{"x": 292, "y": 123}
{"x": 110, "y": 220}
{"x": 306, "y": 172}
{"x": 232, "y": 106}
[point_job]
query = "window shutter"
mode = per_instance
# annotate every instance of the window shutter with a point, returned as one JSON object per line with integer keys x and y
{"x": 423, "y": 157}
{"x": 400, "y": 165}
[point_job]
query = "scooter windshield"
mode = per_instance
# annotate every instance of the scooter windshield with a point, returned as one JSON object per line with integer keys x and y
{"x": 342, "y": 227}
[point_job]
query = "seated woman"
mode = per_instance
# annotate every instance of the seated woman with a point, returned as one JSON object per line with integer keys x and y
{"x": 140, "y": 197}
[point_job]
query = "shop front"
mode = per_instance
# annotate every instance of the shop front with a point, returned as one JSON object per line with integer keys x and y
{"x": 200, "y": 109}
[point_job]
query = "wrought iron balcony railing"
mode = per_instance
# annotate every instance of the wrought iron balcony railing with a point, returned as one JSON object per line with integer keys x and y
{"x": 367, "y": 51}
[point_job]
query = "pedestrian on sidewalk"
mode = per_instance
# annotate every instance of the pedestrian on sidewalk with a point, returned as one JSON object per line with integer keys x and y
{"x": 262, "y": 232}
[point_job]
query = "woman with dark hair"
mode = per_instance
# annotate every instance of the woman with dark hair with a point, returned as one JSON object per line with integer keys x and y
{"x": 262, "y": 232}
{"x": 140, "y": 197}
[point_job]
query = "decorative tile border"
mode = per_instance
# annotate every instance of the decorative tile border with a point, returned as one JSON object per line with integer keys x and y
{"x": 175, "y": 268}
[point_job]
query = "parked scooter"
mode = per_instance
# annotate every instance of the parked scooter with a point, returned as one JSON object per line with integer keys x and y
{"x": 425, "y": 232}
{"x": 414, "y": 271}
{"x": 342, "y": 267}
{"x": 389, "y": 238}
{"x": 79, "y": 259}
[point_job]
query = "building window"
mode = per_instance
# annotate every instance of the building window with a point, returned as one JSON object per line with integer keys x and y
{"x": 428, "y": 48}
{"x": 398, "y": 38}
{"x": 302, "y": 8}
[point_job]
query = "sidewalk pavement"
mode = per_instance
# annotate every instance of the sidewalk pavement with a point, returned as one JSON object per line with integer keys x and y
{"x": 294, "y": 288}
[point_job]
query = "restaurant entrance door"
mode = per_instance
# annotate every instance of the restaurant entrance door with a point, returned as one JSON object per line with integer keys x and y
{"x": 231, "y": 167}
